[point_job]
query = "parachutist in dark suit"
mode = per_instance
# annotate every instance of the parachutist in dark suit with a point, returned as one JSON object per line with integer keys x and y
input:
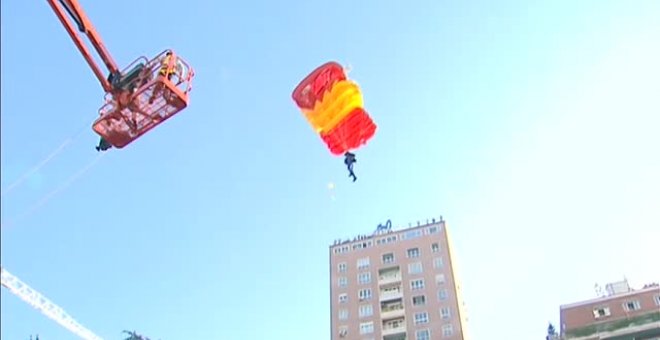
{"x": 349, "y": 161}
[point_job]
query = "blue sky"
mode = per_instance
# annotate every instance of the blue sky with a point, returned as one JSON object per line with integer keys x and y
{"x": 531, "y": 126}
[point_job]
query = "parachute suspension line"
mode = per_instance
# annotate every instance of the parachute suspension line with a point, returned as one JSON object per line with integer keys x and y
{"x": 45, "y": 161}
{"x": 347, "y": 69}
{"x": 47, "y": 197}
{"x": 344, "y": 137}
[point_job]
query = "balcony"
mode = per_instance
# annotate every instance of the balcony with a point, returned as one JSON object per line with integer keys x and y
{"x": 390, "y": 294}
{"x": 395, "y": 337}
{"x": 645, "y": 324}
{"x": 392, "y": 310}
{"x": 389, "y": 279}
{"x": 389, "y": 275}
{"x": 394, "y": 328}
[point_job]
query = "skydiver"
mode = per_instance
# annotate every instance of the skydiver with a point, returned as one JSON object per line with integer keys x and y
{"x": 349, "y": 161}
{"x": 103, "y": 145}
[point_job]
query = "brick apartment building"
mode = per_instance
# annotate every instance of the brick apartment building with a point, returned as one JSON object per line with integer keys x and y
{"x": 396, "y": 285}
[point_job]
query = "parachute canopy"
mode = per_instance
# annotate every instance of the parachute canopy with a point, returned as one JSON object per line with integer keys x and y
{"x": 333, "y": 106}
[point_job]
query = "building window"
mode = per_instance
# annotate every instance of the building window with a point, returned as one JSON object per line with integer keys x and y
{"x": 447, "y": 330}
{"x": 367, "y": 327}
{"x": 343, "y": 314}
{"x": 601, "y": 312}
{"x": 423, "y": 334}
{"x": 657, "y": 300}
{"x": 442, "y": 294}
{"x": 388, "y": 258}
{"x": 415, "y": 268}
{"x": 445, "y": 313}
{"x": 341, "y": 267}
{"x": 409, "y": 235}
{"x": 343, "y": 298}
{"x": 421, "y": 318}
{"x": 440, "y": 279}
{"x": 342, "y": 281}
{"x": 363, "y": 263}
{"x": 435, "y": 247}
{"x": 366, "y": 311}
{"x": 631, "y": 306}
{"x": 364, "y": 294}
{"x": 438, "y": 263}
{"x": 364, "y": 278}
{"x": 413, "y": 252}
{"x": 386, "y": 240}
{"x": 362, "y": 245}
{"x": 419, "y": 300}
{"x": 417, "y": 284}
{"x": 433, "y": 230}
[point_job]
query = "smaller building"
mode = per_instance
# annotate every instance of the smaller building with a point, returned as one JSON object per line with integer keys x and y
{"x": 622, "y": 313}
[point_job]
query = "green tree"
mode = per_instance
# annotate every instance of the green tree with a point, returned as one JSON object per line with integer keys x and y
{"x": 134, "y": 336}
{"x": 552, "y": 333}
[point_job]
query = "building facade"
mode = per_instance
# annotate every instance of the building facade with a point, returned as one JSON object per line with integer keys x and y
{"x": 396, "y": 285}
{"x": 621, "y": 313}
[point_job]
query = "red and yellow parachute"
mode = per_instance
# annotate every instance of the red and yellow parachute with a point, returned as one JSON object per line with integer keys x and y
{"x": 333, "y": 106}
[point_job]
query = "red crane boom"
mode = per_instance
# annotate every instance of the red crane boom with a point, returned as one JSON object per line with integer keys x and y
{"x": 85, "y": 26}
{"x": 138, "y": 98}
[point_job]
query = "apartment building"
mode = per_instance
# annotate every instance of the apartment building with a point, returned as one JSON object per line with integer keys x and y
{"x": 618, "y": 313}
{"x": 395, "y": 285}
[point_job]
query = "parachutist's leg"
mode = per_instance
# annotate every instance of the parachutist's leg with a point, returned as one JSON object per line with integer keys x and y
{"x": 103, "y": 145}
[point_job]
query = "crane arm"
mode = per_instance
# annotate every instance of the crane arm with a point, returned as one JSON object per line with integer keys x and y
{"x": 41, "y": 303}
{"x": 82, "y": 23}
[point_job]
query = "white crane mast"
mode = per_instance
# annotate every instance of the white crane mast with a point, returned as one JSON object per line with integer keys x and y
{"x": 41, "y": 303}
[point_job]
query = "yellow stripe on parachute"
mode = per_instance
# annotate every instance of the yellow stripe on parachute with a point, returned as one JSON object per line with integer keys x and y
{"x": 342, "y": 99}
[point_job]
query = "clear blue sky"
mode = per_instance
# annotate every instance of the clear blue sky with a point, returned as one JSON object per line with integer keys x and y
{"x": 531, "y": 126}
